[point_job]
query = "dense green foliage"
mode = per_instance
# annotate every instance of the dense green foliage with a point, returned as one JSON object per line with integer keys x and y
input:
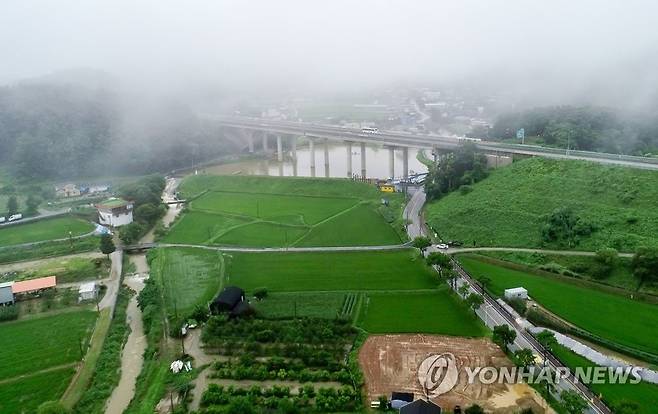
{"x": 511, "y": 206}
{"x": 614, "y": 317}
{"x": 106, "y": 372}
{"x": 63, "y": 127}
{"x": 230, "y": 400}
{"x": 645, "y": 264}
{"x": 43, "y": 230}
{"x": 583, "y": 128}
{"x": 463, "y": 167}
{"x": 431, "y": 312}
{"x": 147, "y": 209}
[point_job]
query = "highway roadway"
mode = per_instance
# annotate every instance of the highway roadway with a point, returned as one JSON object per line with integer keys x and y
{"x": 405, "y": 139}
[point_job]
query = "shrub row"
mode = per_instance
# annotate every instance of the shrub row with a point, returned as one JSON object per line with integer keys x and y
{"x": 220, "y": 400}
{"x": 105, "y": 376}
{"x": 292, "y": 371}
{"x": 305, "y": 330}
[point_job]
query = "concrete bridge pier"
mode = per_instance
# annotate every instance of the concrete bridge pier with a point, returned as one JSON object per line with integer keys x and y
{"x": 405, "y": 163}
{"x": 348, "y": 146}
{"x": 363, "y": 160}
{"x": 311, "y": 147}
{"x": 391, "y": 162}
{"x": 293, "y": 147}
{"x": 326, "y": 158}
{"x": 279, "y": 148}
{"x": 265, "y": 149}
{"x": 250, "y": 141}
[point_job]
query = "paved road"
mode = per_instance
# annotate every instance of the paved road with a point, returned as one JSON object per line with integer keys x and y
{"x": 42, "y": 215}
{"x": 413, "y": 211}
{"x": 285, "y": 249}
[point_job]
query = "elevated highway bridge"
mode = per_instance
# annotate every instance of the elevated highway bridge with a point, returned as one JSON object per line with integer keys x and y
{"x": 319, "y": 133}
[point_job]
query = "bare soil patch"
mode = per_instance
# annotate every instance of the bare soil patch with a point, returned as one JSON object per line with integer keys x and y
{"x": 390, "y": 363}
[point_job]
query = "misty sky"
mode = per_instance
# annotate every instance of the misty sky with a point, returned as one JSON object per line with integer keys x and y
{"x": 332, "y": 44}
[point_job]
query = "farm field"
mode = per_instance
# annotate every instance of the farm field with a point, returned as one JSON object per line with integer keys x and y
{"x": 26, "y": 394}
{"x": 644, "y": 394}
{"x": 617, "y": 318}
{"x": 431, "y": 312}
{"x": 39, "y": 356}
{"x": 330, "y": 271}
{"x": 69, "y": 270}
{"x": 307, "y": 304}
{"x": 187, "y": 276}
{"x": 507, "y": 208}
{"x": 42, "y": 230}
{"x": 276, "y": 212}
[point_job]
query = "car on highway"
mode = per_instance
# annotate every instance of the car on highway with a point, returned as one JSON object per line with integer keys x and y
{"x": 442, "y": 246}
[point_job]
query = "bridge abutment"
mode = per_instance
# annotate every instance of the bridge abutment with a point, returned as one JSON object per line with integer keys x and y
{"x": 348, "y": 147}
{"x": 391, "y": 162}
{"x": 279, "y": 149}
{"x": 326, "y": 158}
{"x": 311, "y": 148}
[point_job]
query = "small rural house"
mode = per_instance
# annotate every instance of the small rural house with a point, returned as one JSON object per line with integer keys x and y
{"x": 33, "y": 285}
{"x": 231, "y": 300}
{"x": 115, "y": 212}
{"x": 516, "y": 293}
{"x": 420, "y": 407}
{"x": 6, "y": 294}
{"x": 87, "y": 291}
{"x": 67, "y": 190}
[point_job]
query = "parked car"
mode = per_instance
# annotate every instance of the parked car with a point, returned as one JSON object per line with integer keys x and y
{"x": 442, "y": 246}
{"x": 15, "y": 217}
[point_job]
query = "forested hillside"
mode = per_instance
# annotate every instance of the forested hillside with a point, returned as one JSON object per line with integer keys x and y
{"x": 66, "y": 130}
{"x": 582, "y": 128}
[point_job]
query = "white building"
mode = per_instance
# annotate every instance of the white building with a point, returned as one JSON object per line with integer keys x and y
{"x": 115, "y": 212}
{"x": 516, "y": 293}
{"x": 87, "y": 291}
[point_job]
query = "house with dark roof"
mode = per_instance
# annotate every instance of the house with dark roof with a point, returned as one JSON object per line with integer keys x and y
{"x": 228, "y": 300}
{"x": 420, "y": 407}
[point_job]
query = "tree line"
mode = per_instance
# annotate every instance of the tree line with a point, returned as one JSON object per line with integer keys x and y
{"x": 581, "y": 128}
{"x": 63, "y": 131}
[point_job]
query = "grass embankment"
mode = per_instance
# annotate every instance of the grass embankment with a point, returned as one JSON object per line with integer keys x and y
{"x": 507, "y": 208}
{"x": 43, "y": 230}
{"x": 613, "y": 317}
{"x": 275, "y": 212}
{"x": 645, "y": 395}
{"x": 39, "y": 357}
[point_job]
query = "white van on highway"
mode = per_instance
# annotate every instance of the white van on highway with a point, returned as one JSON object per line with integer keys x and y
{"x": 2, "y": 219}
{"x": 15, "y": 217}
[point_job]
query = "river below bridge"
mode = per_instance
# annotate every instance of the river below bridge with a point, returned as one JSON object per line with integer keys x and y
{"x": 377, "y": 163}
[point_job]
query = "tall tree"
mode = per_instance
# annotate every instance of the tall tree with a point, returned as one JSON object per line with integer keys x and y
{"x": 12, "y": 205}
{"x": 107, "y": 246}
{"x": 645, "y": 264}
